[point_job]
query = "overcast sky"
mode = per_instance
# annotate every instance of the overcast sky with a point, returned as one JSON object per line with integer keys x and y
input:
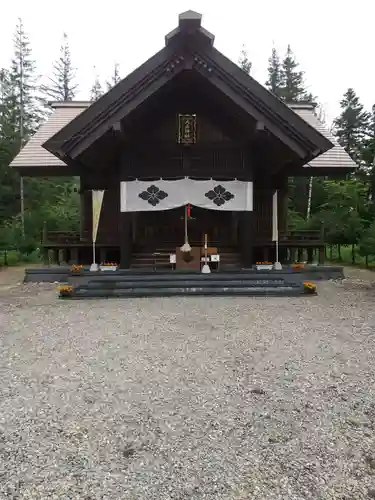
{"x": 332, "y": 39}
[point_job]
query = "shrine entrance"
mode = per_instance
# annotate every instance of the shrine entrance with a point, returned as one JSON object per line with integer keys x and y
{"x": 164, "y": 229}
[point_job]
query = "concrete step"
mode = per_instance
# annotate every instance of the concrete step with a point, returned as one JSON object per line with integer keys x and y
{"x": 227, "y": 291}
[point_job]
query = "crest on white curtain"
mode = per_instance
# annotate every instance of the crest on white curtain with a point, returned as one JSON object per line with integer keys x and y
{"x": 139, "y": 196}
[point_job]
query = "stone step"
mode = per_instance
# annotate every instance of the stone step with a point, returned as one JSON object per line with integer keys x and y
{"x": 85, "y": 293}
{"x": 186, "y": 283}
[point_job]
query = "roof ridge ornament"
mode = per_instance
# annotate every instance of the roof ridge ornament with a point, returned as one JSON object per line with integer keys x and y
{"x": 189, "y": 23}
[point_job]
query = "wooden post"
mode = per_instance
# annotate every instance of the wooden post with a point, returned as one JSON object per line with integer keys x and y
{"x": 125, "y": 240}
{"x": 247, "y": 239}
{"x": 321, "y": 255}
{"x": 74, "y": 256}
{"x": 282, "y": 202}
{"x": 55, "y": 256}
{"x": 63, "y": 261}
{"x": 45, "y": 256}
{"x": 310, "y": 255}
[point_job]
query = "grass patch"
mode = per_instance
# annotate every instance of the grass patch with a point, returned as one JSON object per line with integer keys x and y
{"x": 13, "y": 258}
{"x": 346, "y": 257}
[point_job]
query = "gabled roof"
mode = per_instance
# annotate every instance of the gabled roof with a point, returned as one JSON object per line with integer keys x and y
{"x": 188, "y": 47}
{"x": 34, "y": 156}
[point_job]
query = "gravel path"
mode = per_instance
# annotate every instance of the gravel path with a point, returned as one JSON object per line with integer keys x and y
{"x": 188, "y": 398}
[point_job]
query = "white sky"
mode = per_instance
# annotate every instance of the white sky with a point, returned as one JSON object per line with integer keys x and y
{"x": 332, "y": 39}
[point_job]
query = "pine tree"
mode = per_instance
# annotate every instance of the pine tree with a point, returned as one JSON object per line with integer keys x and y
{"x": 368, "y": 151}
{"x": 23, "y": 100}
{"x": 9, "y": 146}
{"x": 6, "y": 96}
{"x": 244, "y": 61}
{"x": 116, "y": 78}
{"x": 292, "y": 86}
{"x": 62, "y": 86}
{"x": 351, "y": 126}
{"x": 274, "y": 73}
{"x": 368, "y": 158}
{"x": 96, "y": 90}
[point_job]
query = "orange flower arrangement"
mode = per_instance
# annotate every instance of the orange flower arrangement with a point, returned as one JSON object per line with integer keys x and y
{"x": 76, "y": 268}
{"x": 309, "y": 287}
{"x": 298, "y": 265}
{"x": 109, "y": 264}
{"x": 264, "y": 263}
{"x": 65, "y": 290}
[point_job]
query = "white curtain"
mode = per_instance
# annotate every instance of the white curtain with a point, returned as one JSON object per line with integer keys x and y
{"x": 141, "y": 196}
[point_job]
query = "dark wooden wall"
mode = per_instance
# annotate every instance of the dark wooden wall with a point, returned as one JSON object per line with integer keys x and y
{"x": 156, "y": 153}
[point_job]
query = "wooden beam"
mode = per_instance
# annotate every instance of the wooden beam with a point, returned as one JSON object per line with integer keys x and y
{"x": 239, "y": 99}
{"x": 130, "y": 105}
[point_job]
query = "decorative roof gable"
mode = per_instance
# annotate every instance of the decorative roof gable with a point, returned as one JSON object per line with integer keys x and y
{"x": 189, "y": 47}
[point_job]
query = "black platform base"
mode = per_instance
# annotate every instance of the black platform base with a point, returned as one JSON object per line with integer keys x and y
{"x": 62, "y": 273}
{"x": 106, "y": 285}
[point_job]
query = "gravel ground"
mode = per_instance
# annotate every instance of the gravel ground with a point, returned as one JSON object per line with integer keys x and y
{"x": 188, "y": 398}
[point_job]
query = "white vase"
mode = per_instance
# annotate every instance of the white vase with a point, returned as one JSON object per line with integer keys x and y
{"x": 108, "y": 268}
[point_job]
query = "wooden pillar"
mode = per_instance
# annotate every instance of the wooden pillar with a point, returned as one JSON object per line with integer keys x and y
{"x": 125, "y": 240}
{"x": 45, "y": 256}
{"x": 74, "y": 256}
{"x": 246, "y": 228}
{"x": 63, "y": 257}
{"x": 283, "y": 254}
{"x": 310, "y": 255}
{"x": 55, "y": 256}
{"x": 321, "y": 255}
{"x": 282, "y": 203}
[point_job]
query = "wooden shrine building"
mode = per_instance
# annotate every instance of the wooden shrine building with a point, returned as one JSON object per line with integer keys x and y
{"x": 187, "y": 114}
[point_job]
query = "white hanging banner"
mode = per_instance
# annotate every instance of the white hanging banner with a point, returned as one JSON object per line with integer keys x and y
{"x": 141, "y": 196}
{"x": 97, "y": 201}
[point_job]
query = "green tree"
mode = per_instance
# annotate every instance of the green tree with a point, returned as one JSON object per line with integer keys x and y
{"x": 292, "y": 84}
{"x": 344, "y": 214}
{"x": 367, "y": 243}
{"x": 61, "y": 86}
{"x": 23, "y": 101}
{"x": 274, "y": 83}
{"x": 351, "y": 126}
{"x": 96, "y": 90}
{"x": 244, "y": 61}
{"x": 116, "y": 78}
{"x": 9, "y": 146}
{"x": 367, "y": 160}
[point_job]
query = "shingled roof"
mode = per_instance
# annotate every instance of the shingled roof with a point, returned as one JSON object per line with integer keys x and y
{"x": 34, "y": 156}
{"x": 336, "y": 157}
